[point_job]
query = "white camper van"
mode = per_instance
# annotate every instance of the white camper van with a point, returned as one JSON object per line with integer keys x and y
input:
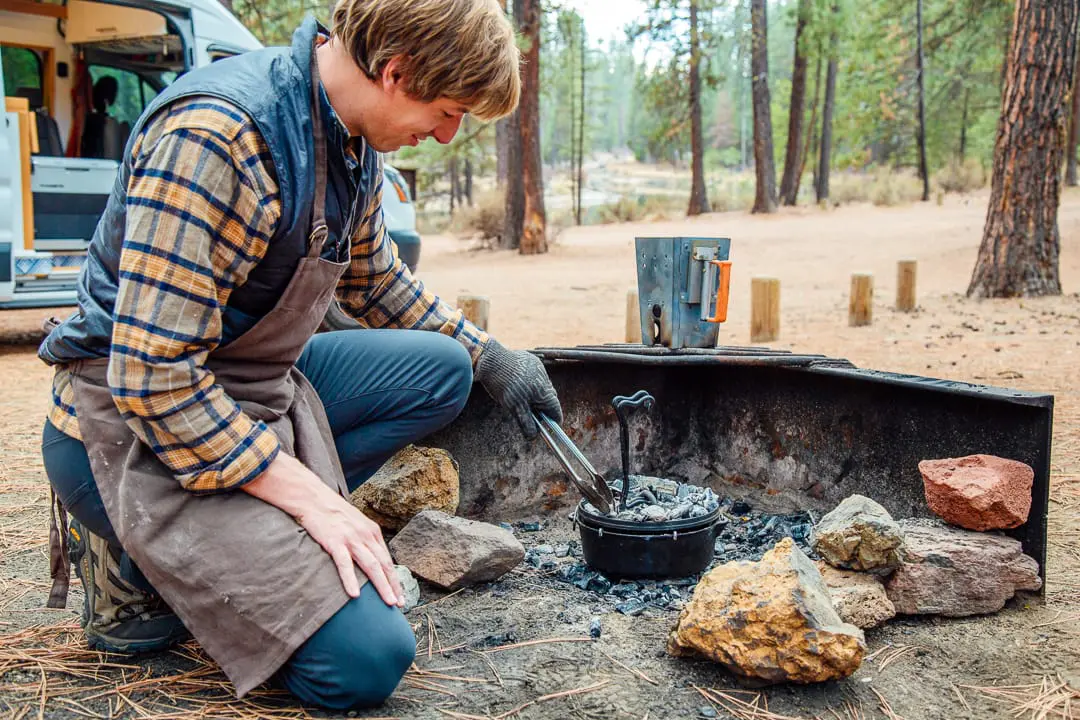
{"x": 76, "y": 76}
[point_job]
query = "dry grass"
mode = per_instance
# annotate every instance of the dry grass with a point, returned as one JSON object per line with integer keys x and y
{"x": 957, "y": 177}
{"x": 890, "y": 654}
{"x": 49, "y": 669}
{"x": 852, "y": 711}
{"x": 754, "y": 707}
{"x": 884, "y": 706}
{"x": 882, "y": 187}
{"x": 1050, "y": 698}
{"x": 639, "y": 208}
{"x": 483, "y": 221}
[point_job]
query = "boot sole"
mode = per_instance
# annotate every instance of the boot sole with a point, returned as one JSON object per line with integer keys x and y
{"x": 131, "y": 647}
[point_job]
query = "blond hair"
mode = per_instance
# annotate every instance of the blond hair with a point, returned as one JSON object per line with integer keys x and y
{"x": 460, "y": 49}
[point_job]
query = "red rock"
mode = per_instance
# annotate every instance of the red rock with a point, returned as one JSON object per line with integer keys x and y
{"x": 979, "y": 492}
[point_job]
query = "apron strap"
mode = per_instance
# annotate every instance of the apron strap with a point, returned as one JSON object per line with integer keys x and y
{"x": 319, "y": 230}
{"x": 59, "y": 561}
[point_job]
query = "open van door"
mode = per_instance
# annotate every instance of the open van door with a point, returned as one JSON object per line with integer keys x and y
{"x": 10, "y": 192}
{"x": 55, "y": 182}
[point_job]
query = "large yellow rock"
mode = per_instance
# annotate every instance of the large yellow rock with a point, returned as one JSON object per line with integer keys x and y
{"x": 415, "y": 479}
{"x": 771, "y": 620}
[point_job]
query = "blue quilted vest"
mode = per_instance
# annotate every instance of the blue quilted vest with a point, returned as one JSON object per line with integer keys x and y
{"x": 273, "y": 87}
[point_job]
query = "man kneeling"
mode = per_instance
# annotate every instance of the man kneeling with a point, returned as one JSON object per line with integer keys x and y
{"x": 202, "y": 435}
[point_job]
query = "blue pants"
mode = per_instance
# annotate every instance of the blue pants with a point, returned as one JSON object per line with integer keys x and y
{"x": 382, "y": 389}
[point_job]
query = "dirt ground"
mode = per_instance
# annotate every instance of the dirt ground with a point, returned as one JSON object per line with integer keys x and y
{"x": 928, "y": 668}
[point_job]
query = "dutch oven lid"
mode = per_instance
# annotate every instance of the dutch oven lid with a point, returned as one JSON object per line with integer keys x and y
{"x": 593, "y": 519}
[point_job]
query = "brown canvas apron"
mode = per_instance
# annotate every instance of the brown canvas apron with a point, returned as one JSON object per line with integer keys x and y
{"x": 248, "y": 582}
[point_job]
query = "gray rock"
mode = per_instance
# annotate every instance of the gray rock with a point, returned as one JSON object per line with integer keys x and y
{"x": 859, "y": 598}
{"x": 954, "y": 572}
{"x": 453, "y": 552}
{"x": 409, "y": 586}
{"x": 858, "y": 534}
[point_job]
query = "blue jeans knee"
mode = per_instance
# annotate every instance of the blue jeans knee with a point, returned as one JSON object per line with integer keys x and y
{"x": 356, "y": 659}
{"x": 68, "y": 468}
{"x": 457, "y": 372}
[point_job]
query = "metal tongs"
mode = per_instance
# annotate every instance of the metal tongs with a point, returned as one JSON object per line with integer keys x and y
{"x": 595, "y": 488}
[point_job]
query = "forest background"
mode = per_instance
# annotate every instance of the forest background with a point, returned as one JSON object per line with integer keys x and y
{"x": 608, "y": 100}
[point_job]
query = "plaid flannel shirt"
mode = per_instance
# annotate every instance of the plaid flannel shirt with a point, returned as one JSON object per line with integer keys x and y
{"x": 202, "y": 205}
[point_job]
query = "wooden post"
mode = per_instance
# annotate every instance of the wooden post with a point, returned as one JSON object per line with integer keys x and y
{"x": 764, "y": 309}
{"x": 860, "y": 309}
{"x": 905, "y": 285}
{"x": 476, "y": 308}
{"x": 633, "y": 317}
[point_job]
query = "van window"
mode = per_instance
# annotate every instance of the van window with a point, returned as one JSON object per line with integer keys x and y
{"x": 22, "y": 69}
{"x": 132, "y": 92}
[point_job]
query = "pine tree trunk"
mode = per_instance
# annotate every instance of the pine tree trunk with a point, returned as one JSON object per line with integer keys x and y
{"x": 963, "y": 127}
{"x": 789, "y": 184}
{"x": 921, "y": 70}
{"x": 581, "y": 125}
{"x": 451, "y": 171}
{"x": 468, "y": 181}
{"x": 764, "y": 167}
{"x": 810, "y": 143}
{"x": 502, "y": 142}
{"x": 502, "y": 150}
{"x": 699, "y": 198}
{"x": 466, "y": 185}
{"x": 1074, "y": 118}
{"x": 458, "y": 184}
{"x": 1021, "y": 243}
{"x": 515, "y": 187}
{"x": 825, "y": 160}
{"x": 534, "y": 227}
{"x": 569, "y": 35}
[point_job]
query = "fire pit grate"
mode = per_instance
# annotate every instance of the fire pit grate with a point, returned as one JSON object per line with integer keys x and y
{"x": 788, "y": 433}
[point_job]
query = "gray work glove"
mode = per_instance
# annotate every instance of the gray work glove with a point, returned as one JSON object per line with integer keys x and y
{"x": 518, "y": 382}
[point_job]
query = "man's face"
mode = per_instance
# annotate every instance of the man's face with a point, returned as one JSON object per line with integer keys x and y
{"x": 404, "y": 120}
{"x": 408, "y": 121}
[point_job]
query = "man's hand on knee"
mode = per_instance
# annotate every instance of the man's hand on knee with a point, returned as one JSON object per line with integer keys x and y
{"x": 517, "y": 380}
{"x": 346, "y": 534}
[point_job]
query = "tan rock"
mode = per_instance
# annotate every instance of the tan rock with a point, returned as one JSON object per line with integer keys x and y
{"x": 859, "y": 598}
{"x": 415, "y": 479}
{"x": 858, "y": 534}
{"x": 771, "y": 620}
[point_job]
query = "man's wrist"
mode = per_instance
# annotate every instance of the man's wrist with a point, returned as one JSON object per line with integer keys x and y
{"x": 290, "y": 486}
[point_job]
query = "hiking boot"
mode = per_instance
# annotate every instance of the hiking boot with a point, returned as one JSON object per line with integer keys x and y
{"x": 117, "y": 615}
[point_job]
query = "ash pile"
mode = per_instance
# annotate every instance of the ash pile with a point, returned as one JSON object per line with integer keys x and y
{"x": 746, "y": 534}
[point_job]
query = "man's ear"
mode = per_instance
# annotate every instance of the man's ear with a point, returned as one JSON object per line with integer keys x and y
{"x": 393, "y": 79}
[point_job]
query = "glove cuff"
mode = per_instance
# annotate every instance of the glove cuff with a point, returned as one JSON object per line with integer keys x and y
{"x": 496, "y": 364}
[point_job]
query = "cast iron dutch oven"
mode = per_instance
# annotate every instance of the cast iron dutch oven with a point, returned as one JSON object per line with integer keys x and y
{"x": 623, "y": 549}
